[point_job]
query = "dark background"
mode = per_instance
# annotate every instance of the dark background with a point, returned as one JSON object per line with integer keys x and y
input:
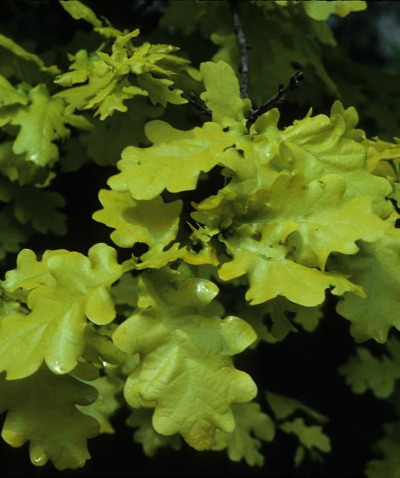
{"x": 304, "y": 366}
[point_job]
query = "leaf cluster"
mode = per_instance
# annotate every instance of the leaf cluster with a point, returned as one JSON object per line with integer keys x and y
{"x": 229, "y": 230}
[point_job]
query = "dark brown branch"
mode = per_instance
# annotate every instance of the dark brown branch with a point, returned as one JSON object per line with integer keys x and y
{"x": 192, "y": 100}
{"x": 294, "y": 82}
{"x": 243, "y": 49}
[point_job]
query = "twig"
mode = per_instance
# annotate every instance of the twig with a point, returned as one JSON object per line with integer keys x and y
{"x": 192, "y": 100}
{"x": 294, "y": 82}
{"x": 243, "y": 49}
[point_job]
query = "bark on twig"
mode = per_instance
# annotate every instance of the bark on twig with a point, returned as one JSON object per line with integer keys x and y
{"x": 294, "y": 82}
{"x": 243, "y": 49}
{"x": 192, "y": 100}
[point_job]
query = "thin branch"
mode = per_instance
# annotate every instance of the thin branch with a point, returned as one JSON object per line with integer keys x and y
{"x": 243, "y": 49}
{"x": 192, "y": 100}
{"x": 294, "y": 82}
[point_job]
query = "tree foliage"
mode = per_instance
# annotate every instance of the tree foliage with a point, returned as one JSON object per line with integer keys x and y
{"x": 229, "y": 226}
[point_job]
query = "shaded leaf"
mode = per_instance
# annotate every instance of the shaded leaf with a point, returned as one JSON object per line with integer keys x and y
{"x": 42, "y": 409}
{"x": 152, "y": 222}
{"x": 41, "y": 123}
{"x": 145, "y": 434}
{"x": 374, "y": 268}
{"x": 40, "y": 208}
{"x": 364, "y": 371}
{"x": 79, "y": 10}
{"x": 106, "y": 404}
{"x": 389, "y": 448}
{"x": 251, "y": 427}
{"x": 20, "y": 52}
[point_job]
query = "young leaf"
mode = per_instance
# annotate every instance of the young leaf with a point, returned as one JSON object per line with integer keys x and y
{"x": 63, "y": 289}
{"x": 39, "y": 207}
{"x": 10, "y": 95}
{"x": 79, "y": 10}
{"x": 222, "y": 93}
{"x": 252, "y": 426}
{"x": 119, "y": 125}
{"x": 145, "y": 434}
{"x": 322, "y": 10}
{"x": 109, "y": 77}
{"x": 20, "y": 52}
{"x": 12, "y": 233}
{"x": 271, "y": 274}
{"x": 42, "y": 409}
{"x": 186, "y": 369}
{"x": 364, "y": 371}
{"x": 389, "y": 448}
{"x": 146, "y": 172}
{"x": 320, "y": 146}
{"x": 41, "y": 123}
{"x": 310, "y": 437}
{"x": 105, "y": 405}
{"x": 284, "y": 407}
{"x": 375, "y": 269}
{"x": 152, "y": 222}
{"x": 160, "y": 90}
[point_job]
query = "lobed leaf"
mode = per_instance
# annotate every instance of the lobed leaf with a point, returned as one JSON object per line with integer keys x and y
{"x": 373, "y": 268}
{"x": 389, "y": 449}
{"x": 39, "y": 207}
{"x": 284, "y": 407}
{"x": 152, "y": 222}
{"x": 20, "y": 52}
{"x": 12, "y": 233}
{"x": 310, "y": 437}
{"x": 62, "y": 290}
{"x": 322, "y": 10}
{"x": 105, "y": 152}
{"x": 42, "y": 409}
{"x": 79, "y": 10}
{"x": 145, "y": 434}
{"x": 222, "y": 93}
{"x": 160, "y": 90}
{"x": 41, "y": 123}
{"x": 106, "y": 403}
{"x": 110, "y": 80}
{"x": 10, "y": 95}
{"x": 252, "y": 427}
{"x": 364, "y": 371}
{"x": 146, "y": 172}
{"x": 186, "y": 370}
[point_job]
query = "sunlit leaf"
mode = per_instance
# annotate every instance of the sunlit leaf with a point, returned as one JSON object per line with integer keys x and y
{"x": 186, "y": 370}
{"x": 63, "y": 290}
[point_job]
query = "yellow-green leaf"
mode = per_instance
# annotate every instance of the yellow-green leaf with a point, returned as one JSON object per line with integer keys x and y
{"x": 364, "y": 371}
{"x": 17, "y": 50}
{"x": 222, "y": 93}
{"x": 42, "y": 409}
{"x": 186, "y": 370}
{"x": 376, "y": 268}
{"x": 62, "y": 291}
{"x": 146, "y": 172}
{"x": 251, "y": 426}
{"x": 79, "y": 10}
{"x": 321, "y": 10}
{"x": 41, "y": 123}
